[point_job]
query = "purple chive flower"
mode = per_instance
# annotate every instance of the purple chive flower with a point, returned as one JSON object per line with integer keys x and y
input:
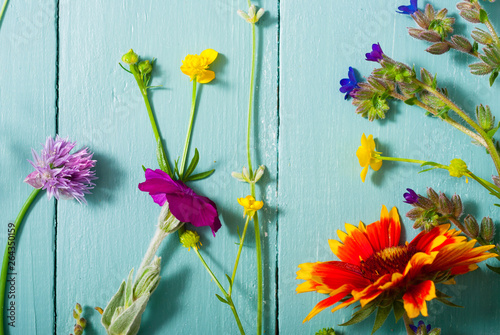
{"x": 421, "y": 324}
{"x": 349, "y": 85}
{"x": 62, "y": 174}
{"x": 410, "y": 197}
{"x": 183, "y": 202}
{"x": 376, "y": 55}
{"x": 408, "y": 10}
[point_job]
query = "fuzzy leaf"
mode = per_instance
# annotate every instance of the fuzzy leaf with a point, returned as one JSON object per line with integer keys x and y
{"x": 411, "y": 101}
{"x": 360, "y": 315}
{"x": 109, "y": 310}
{"x": 483, "y": 16}
{"x": 493, "y": 77}
{"x": 129, "y": 321}
{"x": 382, "y": 314}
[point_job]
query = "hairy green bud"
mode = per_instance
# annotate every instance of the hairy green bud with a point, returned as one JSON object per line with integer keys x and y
{"x": 484, "y": 117}
{"x": 487, "y": 231}
{"x": 471, "y": 226}
{"x": 130, "y": 57}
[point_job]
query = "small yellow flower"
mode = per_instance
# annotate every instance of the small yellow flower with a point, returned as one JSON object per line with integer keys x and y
{"x": 250, "y": 205}
{"x": 196, "y": 67}
{"x": 367, "y": 156}
{"x": 190, "y": 239}
{"x": 458, "y": 168}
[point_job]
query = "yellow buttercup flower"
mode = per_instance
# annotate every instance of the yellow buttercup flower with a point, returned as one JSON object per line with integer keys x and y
{"x": 367, "y": 156}
{"x": 196, "y": 66}
{"x": 250, "y": 205}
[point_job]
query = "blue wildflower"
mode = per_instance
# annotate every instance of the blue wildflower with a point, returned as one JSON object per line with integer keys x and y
{"x": 349, "y": 85}
{"x": 408, "y": 10}
{"x": 376, "y": 55}
{"x": 410, "y": 197}
{"x": 421, "y": 324}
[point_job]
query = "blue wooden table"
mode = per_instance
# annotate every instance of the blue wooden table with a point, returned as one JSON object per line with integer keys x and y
{"x": 61, "y": 75}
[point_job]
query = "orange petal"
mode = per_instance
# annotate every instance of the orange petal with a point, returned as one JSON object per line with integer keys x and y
{"x": 415, "y": 297}
{"x": 324, "y": 304}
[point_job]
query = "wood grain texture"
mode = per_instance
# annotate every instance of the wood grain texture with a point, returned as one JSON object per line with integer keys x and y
{"x": 319, "y": 186}
{"x": 86, "y": 251}
{"x": 27, "y": 117}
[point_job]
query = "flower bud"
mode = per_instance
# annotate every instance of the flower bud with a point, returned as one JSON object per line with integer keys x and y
{"x": 82, "y": 322}
{"x": 78, "y": 308}
{"x": 438, "y": 48}
{"x": 252, "y": 16}
{"x": 145, "y": 67}
{"x": 414, "y": 213}
{"x": 461, "y": 43}
{"x": 78, "y": 330}
{"x": 485, "y": 119}
{"x": 259, "y": 173}
{"x": 445, "y": 205}
{"x": 487, "y": 231}
{"x": 481, "y": 36}
{"x": 458, "y": 168}
{"x": 441, "y": 14}
{"x": 190, "y": 239}
{"x": 421, "y": 19}
{"x": 430, "y": 36}
{"x": 471, "y": 226}
{"x": 433, "y": 196}
{"x": 480, "y": 69}
{"x": 496, "y": 180}
{"x": 457, "y": 206}
{"x": 426, "y": 203}
{"x": 148, "y": 280}
{"x": 470, "y": 15}
{"x": 130, "y": 57}
{"x": 246, "y": 174}
{"x": 465, "y": 5}
{"x": 167, "y": 221}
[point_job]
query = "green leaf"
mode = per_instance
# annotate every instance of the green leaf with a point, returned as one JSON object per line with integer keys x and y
{"x": 440, "y": 294}
{"x": 427, "y": 170}
{"x": 192, "y": 165}
{"x": 492, "y": 132}
{"x": 475, "y": 47}
{"x": 483, "y": 16}
{"x": 493, "y": 77}
{"x": 200, "y": 175}
{"x": 434, "y": 82}
{"x": 360, "y": 315}
{"x": 448, "y": 303}
{"x": 382, "y": 314}
{"x": 411, "y": 101}
{"x": 221, "y": 299}
{"x": 229, "y": 280}
{"x": 399, "y": 310}
{"x": 162, "y": 158}
{"x": 115, "y": 302}
{"x": 443, "y": 112}
{"x": 494, "y": 268}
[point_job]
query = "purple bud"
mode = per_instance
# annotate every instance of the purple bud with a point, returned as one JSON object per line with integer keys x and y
{"x": 410, "y": 197}
{"x": 376, "y": 55}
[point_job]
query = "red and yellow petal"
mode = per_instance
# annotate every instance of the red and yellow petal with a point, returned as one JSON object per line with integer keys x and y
{"x": 416, "y": 296}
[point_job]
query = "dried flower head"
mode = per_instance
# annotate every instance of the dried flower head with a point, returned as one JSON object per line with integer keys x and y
{"x": 62, "y": 174}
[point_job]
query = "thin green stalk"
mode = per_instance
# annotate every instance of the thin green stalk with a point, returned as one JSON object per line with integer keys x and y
{"x": 395, "y": 159}
{"x": 3, "y": 9}
{"x": 408, "y": 322}
{"x": 144, "y": 92}
{"x": 188, "y": 136}
{"x": 5, "y": 263}
{"x": 490, "y": 146}
{"x": 227, "y": 296}
{"x": 242, "y": 239}
{"x": 447, "y": 119}
{"x": 250, "y": 103}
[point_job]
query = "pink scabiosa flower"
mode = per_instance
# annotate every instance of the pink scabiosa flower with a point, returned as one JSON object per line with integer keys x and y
{"x": 63, "y": 174}
{"x": 183, "y": 202}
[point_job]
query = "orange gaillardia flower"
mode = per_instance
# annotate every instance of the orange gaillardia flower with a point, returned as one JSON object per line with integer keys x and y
{"x": 196, "y": 66}
{"x": 375, "y": 269}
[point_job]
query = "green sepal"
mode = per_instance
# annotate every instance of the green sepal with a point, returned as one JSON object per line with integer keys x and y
{"x": 441, "y": 297}
{"x": 109, "y": 311}
{"x": 483, "y": 16}
{"x": 162, "y": 158}
{"x": 475, "y": 47}
{"x": 124, "y": 68}
{"x": 144, "y": 168}
{"x": 221, "y": 299}
{"x": 495, "y": 269}
{"x": 360, "y": 315}
{"x": 192, "y": 165}
{"x": 411, "y": 101}
{"x": 129, "y": 290}
{"x": 129, "y": 322}
{"x": 434, "y": 82}
{"x": 201, "y": 175}
{"x": 443, "y": 112}
{"x": 493, "y": 77}
{"x": 382, "y": 314}
{"x": 492, "y": 132}
{"x": 399, "y": 310}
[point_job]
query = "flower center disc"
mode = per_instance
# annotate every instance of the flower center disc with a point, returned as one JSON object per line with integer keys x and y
{"x": 387, "y": 261}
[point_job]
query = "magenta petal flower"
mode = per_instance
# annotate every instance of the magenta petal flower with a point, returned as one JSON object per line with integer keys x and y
{"x": 62, "y": 174}
{"x": 376, "y": 55}
{"x": 183, "y": 202}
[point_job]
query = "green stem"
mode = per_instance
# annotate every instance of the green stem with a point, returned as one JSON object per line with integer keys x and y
{"x": 227, "y": 296}
{"x": 3, "y": 9}
{"x": 242, "y": 239}
{"x": 395, "y": 159}
{"x": 250, "y": 103}
{"x": 11, "y": 244}
{"x": 408, "y": 322}
{"x": 188, "y": 136}
{"x": 490, "y": 146}
{"x": 447, "y": 119}
{"x": 492, "y": 188}
{"x": 144, "y": 93}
